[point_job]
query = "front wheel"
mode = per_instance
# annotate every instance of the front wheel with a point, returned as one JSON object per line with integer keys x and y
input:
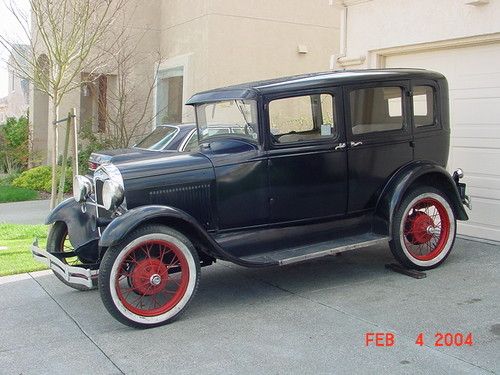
{"x": 423, "y": 229}
{"x": 150, "y": 277}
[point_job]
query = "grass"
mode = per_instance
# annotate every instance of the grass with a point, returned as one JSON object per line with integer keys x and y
{"x": 15, "y": 194}
{"x": 18, "y": 239}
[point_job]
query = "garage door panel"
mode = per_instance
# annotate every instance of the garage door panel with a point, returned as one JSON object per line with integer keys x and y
{"x": 490, "y": 232}
{"x": 475, "y": 142}
{"x": 474, "y": 81}
{"x": 468, "y": 159}
{"x": 466, "y": 93}
{"x": 473, "y": 110}
{"x": 476, "y": 131}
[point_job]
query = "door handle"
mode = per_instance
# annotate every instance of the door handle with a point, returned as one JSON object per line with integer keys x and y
{"x": 340, "y": 146}
{"x": 354, "y": 144}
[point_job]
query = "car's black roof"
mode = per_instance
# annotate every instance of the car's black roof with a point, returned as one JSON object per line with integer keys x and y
{"x": 252, "y": 90}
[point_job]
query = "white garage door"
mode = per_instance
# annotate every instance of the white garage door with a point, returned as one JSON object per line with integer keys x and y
{"x": 473, "y": 75}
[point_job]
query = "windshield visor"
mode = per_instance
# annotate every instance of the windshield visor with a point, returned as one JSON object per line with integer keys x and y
{"x": 228, "y": 118}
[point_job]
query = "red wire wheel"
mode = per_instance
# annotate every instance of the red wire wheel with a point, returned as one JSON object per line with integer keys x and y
{"x": 153, "y": 277}
{"x": 149, "y": 278}
{"x": 423, "y": 229}
{"x": 426, "y": 229}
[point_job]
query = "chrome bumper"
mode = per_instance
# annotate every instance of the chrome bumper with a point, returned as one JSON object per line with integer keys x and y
{"x": 72, "y": 274}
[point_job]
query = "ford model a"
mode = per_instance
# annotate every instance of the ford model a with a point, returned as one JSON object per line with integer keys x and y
{"x": 320, "y": 164}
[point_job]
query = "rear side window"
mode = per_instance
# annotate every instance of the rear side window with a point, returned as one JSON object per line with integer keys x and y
{"x": 302, "y": 118}
{"x": 376, "y": 109}
{"x": 423, "y": 106}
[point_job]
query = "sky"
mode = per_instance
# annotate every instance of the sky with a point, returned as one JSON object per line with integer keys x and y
{"x": 10, "y": 28}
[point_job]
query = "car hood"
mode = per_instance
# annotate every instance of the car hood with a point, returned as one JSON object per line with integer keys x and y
{"x": 120, "y": 155}
{"x": 155, "y": 163}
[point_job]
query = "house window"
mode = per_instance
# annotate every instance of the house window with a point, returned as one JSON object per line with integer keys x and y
{"x": 95, "y": 99}
{"x": 376, "y": 109}
{"x": 169, "y": 96}
{"x": 302, "y": 118}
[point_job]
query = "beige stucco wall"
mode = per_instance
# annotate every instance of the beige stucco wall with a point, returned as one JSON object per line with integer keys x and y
{"x": 223, "y": 42}
{"x": 375, "y": 25}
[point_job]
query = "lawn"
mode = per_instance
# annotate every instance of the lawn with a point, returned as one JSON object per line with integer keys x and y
{"x": 14, "y": 194}
{"x": 18, "y": 239}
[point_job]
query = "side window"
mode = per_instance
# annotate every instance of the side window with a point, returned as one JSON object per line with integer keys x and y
{"x": 376, "y": 109}
{"x": 423, "y": 106}
{"x": 302, "y": 118}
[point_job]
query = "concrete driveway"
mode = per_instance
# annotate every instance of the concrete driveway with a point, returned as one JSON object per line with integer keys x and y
{"x": 308, "y": 318}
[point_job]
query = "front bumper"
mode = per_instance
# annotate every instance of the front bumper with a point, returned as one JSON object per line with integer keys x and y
{"x": 72, "y": 274}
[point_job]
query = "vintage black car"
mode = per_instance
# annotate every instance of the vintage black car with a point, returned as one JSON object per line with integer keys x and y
{"x": 324, "y": 163}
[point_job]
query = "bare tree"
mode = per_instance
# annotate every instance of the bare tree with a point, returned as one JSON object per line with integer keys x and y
{"x": 129, "y": 101}
{"x": 62, "y": 35}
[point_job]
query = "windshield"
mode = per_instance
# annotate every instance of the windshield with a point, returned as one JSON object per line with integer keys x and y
{"x": 228, "y": 118}
{"x": 158, "y": 139}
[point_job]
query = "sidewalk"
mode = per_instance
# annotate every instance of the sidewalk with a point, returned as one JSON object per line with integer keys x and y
{"x": 29, "y": 212}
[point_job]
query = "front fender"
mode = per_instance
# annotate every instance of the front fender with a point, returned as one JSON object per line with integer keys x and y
{"x": 126, "y": 223}
{"x": 419, "y": 172}
{"x": 82, "y": 229}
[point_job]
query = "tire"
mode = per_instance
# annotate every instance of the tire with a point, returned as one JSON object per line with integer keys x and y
{"x": 57, "y": 242}
{"x": 149, "y": 278}
{"x": 423, "y": 229}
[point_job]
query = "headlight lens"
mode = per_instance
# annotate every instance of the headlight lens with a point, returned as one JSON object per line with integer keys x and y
{"x": 112, "y": 194}
{"x": 82, "y": 188}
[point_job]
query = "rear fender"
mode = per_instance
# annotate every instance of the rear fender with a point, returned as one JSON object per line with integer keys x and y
{"x": 406, "y": 178}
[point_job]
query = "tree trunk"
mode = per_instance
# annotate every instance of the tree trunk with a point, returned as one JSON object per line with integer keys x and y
{"x": 55, "y": 151}
{"x": 62, "y": 177}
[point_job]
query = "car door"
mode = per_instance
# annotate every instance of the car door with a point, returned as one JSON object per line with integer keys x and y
{"x": 378, "y": 138}
{"x": 307, "y": 160}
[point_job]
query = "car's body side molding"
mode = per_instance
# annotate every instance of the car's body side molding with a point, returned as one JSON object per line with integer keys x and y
{"x": 178, "y": 219}
{"x": 413, "y": 174}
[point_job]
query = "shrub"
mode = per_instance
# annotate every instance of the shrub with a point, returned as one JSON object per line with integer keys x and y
{"x": 14, "y": 149}
{"x": 39, "y": 178}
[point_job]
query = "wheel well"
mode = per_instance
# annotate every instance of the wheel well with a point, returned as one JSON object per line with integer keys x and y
{"x": 440, "y": 182}
{"x": 202, "y": 246}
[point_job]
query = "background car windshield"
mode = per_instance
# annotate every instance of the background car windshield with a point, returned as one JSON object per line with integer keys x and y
{"x": 228, "y": 118}
{"x": 158, "y": 139}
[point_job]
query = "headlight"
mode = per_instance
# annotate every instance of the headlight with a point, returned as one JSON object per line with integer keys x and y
{"x": 82, "y": 187}
{"x": 112, "y": 194}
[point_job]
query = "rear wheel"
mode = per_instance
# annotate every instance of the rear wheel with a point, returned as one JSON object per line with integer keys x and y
{"x": 149, "y": 279}
{"x": 424, "y": 229}
{"x": 57, "y": 244}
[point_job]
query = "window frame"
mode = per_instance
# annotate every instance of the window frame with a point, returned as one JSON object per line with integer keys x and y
{"x": 437, "y": 124}
{"x": 335, "y": 92}
{"x": 383, "y": 136}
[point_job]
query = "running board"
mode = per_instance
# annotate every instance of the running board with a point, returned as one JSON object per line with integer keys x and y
{"x": 319, "y": 250}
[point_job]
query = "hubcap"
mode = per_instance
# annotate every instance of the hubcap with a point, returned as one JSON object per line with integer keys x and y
{"x": 155, "y": 279}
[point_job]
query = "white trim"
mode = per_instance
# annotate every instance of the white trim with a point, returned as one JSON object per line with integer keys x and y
{"x": 377, "y": 56}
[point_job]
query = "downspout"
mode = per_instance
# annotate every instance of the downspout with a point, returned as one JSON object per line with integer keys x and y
{"x": 342, "y": 59}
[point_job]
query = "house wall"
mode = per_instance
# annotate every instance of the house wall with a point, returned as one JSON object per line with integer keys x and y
{"x": 462, "y": 41}
{"x": 374, "y": 25}
{"x": 223, "y": 42}
{"x": 217, "y": 43}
